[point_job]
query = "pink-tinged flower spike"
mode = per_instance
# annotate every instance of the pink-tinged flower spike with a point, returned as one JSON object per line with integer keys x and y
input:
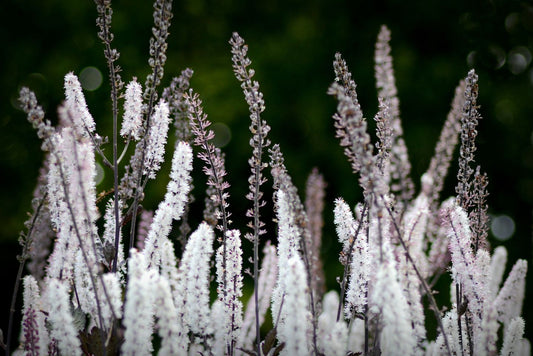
{"x": 132, "y": 125}
{"x": 230, "y": 290}
{"x": 486, "y": 335}
{"x": 358, "y": 259}
{"x": 297, "y": 329}
{"x": 397, "y": 334}
{"x": 138, "y": 308}
{"x": 34, "y": 334}
{"x": 288, "y": 242}
{"x": 345, "y": 226}
{"x": 156, "y": 140}
{"x": 513, "y": 335}
{"x": 61, "y": 261}
{"x": 169, "y": 327}
{"x": 401, "y": 185}
{"x": 172, "y": 206}
{"x": 195, "y": 266}
{"x": 497, "y": 268}
{"x": 315, "y": 192}
{"x": 266, "y": 283}
{"x": 177, "y": 283}
{"x": 75, "y": 101}
{"x": 465, "y": 270}
{"x": 414, "y": 227}
{"x": 62, "y": 327}
{"x": 510, "y": 299}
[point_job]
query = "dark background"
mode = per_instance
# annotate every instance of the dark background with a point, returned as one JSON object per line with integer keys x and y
{"x": 292, "y": 45}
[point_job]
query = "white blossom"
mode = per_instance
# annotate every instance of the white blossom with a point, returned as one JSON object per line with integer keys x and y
{"x": 139, "y": 308}
{"x": 266, "y": 283}
{"x": 397, "y": 334}
{"x": 173, "y": 336}
{"x": 171, "y": 208}
{"x": 60, "y": 318}
{"x": 511, "y": 296}
{"x": 230, "y": 276}
{"x": 512, "y": 337}
{"x": 32, "y": 306}
{"x": 195, "y": 269}
{"x": 83, "y": 121}
{"x": 156, "y": 140}
{"x": 296, "y": 330}
{"x": 132, "y": 120}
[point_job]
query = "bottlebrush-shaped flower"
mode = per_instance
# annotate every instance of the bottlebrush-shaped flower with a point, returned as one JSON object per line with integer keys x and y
{"x": 358, "y": 258}
{"x": 266, "y": 283}
{"x": 173, "y": 336}
{"x": 194, "y": 268}
{"x": 397, "y": 334}
{"x": 156, "y": 140}
{"x": 132, "y": 125}
{"x": 34, "y": 335}
{"x": 172, "y": 207}
{"x": 75, "y": 101}
{"x": 296, "y": 330}
{"x": 230, "y": 290}
{"x": 138, "y": 308}
{"x": 511, "y": 296}
{"x": 61, "y": 321}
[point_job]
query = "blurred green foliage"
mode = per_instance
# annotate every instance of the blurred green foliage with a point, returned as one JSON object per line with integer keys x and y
{"x": 292, "y": 44}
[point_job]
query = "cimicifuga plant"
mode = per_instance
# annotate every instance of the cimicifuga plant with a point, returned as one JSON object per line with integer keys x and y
{"x": 106, "y": 277}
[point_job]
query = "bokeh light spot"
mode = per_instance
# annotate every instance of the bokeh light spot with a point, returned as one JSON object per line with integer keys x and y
{"x": 502, "y": 227}
{"x": 90, "y": 78}
{"x": 222, "y": 134}
{"x": 100, "y": 174}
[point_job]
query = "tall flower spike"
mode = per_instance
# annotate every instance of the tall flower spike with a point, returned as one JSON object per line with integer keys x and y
{"x": 296, "y": 329}
{"x": 194, "y": 267}
{"x": 179, "y": 111}
{"x": 212, "y": 156}
{"x": 132, "y": 121}
{"x": 349, "y": 123}
{"x": 397, "y": 336}
{"x": 469, "y": 121}
{"x": 283, "y": 182}
{"x": 156, "y": 140}
{"x": 314, "y": 207}
{"x": 356, "y": 294}
{"x": 352, "y": 130}
{"x": 34, "y": 335}
{"x": 168, "y": 325}
{"x": 465, "y": 270}
{"x": 511, "y": 296}
{"x": 512, "y": 338}
{"x": 172, "y": 206}
{"x": 402, "y": 185}
{"x": 139, "y": 308}
{"x": 266, "y": 284}
{"x": 259, "y": 129}
{"x": 62, "y": 323}
{"x": 75, "y": 100}
{"x": 230, "y": 297}
{"x": 288, "y": 242}
{"x": 158, "y": 48}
